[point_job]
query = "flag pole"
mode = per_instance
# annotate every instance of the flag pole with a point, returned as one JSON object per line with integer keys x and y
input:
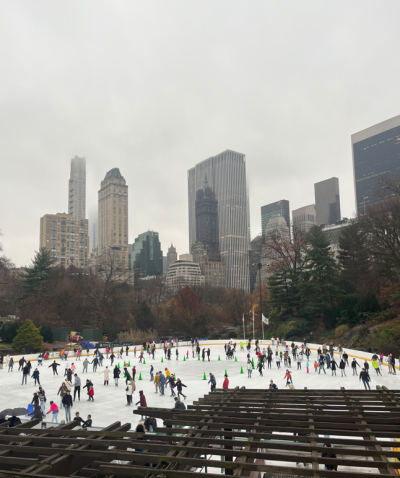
{"x": 253, "y": 321}
{"x": 244, "y": 330}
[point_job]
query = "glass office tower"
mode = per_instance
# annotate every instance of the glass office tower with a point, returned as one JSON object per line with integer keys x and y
{"x": 226, "y": 176}
{"x": 279, "y": 208}
{"x": 376, "y": 156}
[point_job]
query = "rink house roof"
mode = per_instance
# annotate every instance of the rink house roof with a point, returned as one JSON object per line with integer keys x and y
{"x": 238, "y": 432}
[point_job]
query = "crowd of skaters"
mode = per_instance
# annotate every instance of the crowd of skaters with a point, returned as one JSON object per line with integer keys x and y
{"x": 279, "y": 353}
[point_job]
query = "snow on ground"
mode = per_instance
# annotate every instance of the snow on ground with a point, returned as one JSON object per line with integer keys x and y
{"x": 110, "y": 401}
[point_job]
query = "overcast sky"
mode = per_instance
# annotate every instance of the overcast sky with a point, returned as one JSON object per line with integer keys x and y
{"x": 153, "y": 87}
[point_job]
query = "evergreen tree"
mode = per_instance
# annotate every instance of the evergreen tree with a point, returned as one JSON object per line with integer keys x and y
{"x": 144, "y": 318}
{"x": 9, "y": 331}
{"x": 283, "y": 288}
{"x": 36, "y": 276}
{"x": 28, "y": 337}
{"x": 319, "y": 287}
{"x": 353, "y": 256}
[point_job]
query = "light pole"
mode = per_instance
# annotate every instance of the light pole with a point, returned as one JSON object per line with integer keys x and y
{"x": 365, "y": 197}
{"x": 259, "y": 265}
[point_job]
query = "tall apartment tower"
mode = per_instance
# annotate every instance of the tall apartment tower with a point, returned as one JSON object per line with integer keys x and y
{"x": 226, "y": 176}
{"x": 172, "y": 256}
{"x": 376, "y": 157}
{"x": 113, "y": 217}
{"x": 77, "y": 188}
{"x": 304, "y": 217}
{"x": 327, "y": 201}
{"x": 206, "y": 212}
{"x": 275, "y": 209}
{"x": 67, "y": 237}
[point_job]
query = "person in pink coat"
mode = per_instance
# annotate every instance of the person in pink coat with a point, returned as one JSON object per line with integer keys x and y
{"x": 54, "y": 411}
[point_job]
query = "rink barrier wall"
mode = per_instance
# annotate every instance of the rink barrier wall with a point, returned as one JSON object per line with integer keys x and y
{"x": 352, "y": 353}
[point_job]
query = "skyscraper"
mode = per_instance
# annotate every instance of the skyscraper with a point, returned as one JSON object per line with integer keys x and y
{"x": 67, "y": 238}
{"x": 77, "y": 188}
{"x": 376, "y": 157}
{"x": 113, "y": 217}
{"x": 172, "y": 256}
{"x": 304, "y": 217}
{"x": 275, "y": 209}
{"x": 327, "y": 201}
{"x": 226, "y": 176}
{"x": 146, "y": 255}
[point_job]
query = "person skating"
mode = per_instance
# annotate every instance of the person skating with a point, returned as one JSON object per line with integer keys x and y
{"x": 225, "y": 385}
{"x": 288, "y": 377}
{"x": 272, "y": 386}
{"x": 11, "y": 364}
{"x": 162, "y": 380}
{"x": 25, "y": 374}
{"x": 91, "y": 393}
{"x": 333, "y": 366}
{"x": 106, "y": 374}
{"x": 259, "y": 368}
{"x": 95, "y": 363}
{"x": 208, "y": 354}
{"x": 364, "y": 376}
{"x": 42, "y": 399}
{"x": 142, "y": 400}
{"x": 179, "y": 405}
{"x": 129, "y": 392}
{"x": 298, "y": 362}
{"x": 62, "y": 391}
{"x": 126, "y": 350}
{"x": 85, "y": 365}
{"x": 133, "y": 373}
{"x": 346, "y": 358}
{"x": 342, "y": 367}
{"x": 179, "y": 386}
{"x": 35, "y": 376}
{"x": 54, "y": 366}
{"x": 171, "y": 381}
{"x": 152, "y": 372}
{"x": 112, "y": 357}
{"x": 203, "y": 354}
{"x": 213, "y": 382}
{"x": 375, "y": 366}
{"x": 21, "y": 363}
{"x": 321, "y": 366}
{"x": 35, "y": 399}
{"x": 116, "y": 374}
{"x": 354, "y": 365}
{"x": 36, "y": 414}
{"x": 54, "y": 412}
{"x": 77, "y": 387}
{"x": 157, "y": 382}
{"x": 87, "y": 386}
{"x": 67, "y": 405}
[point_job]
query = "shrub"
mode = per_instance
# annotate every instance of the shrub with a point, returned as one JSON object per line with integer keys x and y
{"x": 28, "y": 337}
{"x": 138, "y": 336}
{"x": 341, "y": 330}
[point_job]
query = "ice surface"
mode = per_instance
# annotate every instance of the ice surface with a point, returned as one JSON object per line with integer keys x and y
{"x": 110, "y": 401}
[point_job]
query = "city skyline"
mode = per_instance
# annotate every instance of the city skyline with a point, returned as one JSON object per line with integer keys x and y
{"x": 293, "y": 119}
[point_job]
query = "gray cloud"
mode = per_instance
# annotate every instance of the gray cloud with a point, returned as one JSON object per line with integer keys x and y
{"x": 154, "y": 87}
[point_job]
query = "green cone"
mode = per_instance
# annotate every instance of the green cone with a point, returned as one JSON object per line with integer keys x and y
{"x": 241, "y": 369}
{"x": 144, "y": 362}
{"x": 162, "y": 360}
{"x": 184, "y": 359}
{"x": 140, "y": 376}
{"x": 204, "y": 378}
{"x": 129, "y": 364}
{"x": 235, "y": 359}
{"x": 198, "y": 357}
{"x": 118, "y": 365}
{"x": 219, "y": 358}
{"x": 226, "y": 373}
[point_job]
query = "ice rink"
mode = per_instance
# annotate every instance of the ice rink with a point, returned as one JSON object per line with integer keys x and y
{"x": 110, "y": 401}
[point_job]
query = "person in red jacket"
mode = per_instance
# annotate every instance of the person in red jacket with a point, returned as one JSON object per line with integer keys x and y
{"x": 91, "y": 394}
{"x": 288, "y": 376}
{"x": 133, "y": 373}
{"x": 225, "y": 385}
{"x": 142, "y": 400}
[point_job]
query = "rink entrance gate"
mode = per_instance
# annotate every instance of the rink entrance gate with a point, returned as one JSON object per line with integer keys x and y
{"x": 239, "y": 432}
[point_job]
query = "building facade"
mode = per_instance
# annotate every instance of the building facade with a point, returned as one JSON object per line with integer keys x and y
{"x": 146, "y": 256}
{"x": 182, "y": 273}
{"x": 67, "y": 237}
{"x": 376, "y": 157}
{"x": 113, "y": 217}
{"x": 172, "y": 256}
{"x": 275, "y": 209}
{"x": 77, "y": 188}
{"x": 206, "y": 212}
{"x": 212, "y": 270}
{"x": 226, "y": 176}
{"x": 327, "y": 201}
{"x": 305, "y": 217}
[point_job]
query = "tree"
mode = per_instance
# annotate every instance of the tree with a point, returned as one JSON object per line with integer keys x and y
{"x": 9, "y": 331}
{"x": 36, "y": 276}
{"x": 144, "y": 319}
{"x": 354, "y": 258}
{"x": 28, "y": 337}
{"x": 187, "y": 308}
{"x": 319, "y": 287}
{"x": 47, "y": 333}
